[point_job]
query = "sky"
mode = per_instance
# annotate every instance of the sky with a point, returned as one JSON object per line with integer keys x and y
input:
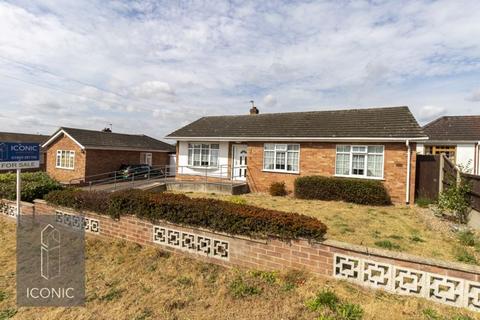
{"x": 150, "y": 67}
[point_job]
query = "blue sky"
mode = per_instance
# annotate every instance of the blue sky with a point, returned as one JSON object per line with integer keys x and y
{"x": 153, "y": 66}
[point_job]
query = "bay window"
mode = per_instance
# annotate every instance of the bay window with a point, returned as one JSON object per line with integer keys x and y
{"x": 65, "y": 159}
{"x": 203, "y": 154}
{"x": 281, "y": 157}
{"x": 359, "y": 161}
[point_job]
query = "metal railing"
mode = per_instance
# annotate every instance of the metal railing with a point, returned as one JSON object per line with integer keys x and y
{"x": 122, "y": 179}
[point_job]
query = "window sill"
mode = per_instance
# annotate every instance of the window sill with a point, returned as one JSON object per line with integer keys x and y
{"x": 65, "y": 168}
{"x": 281, "y": 171}
{"x": 360, "y": 177}
{"x": 203, "y": 168}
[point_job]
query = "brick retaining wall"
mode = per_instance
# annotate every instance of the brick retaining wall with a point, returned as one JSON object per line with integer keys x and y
{"x": 445, "y": 282}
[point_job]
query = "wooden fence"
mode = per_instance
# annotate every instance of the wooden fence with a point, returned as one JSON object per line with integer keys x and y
{"x": 436, "y": 173}
{"x": 450, "y": 175}
{"x": 475, "y": 193}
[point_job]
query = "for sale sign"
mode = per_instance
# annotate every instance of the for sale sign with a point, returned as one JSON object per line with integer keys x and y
{"x": 19, "y": 155}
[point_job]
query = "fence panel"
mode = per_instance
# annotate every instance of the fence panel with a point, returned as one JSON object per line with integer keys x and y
{"x": 475, "y": 193}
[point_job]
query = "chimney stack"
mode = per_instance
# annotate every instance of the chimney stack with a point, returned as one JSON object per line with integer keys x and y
{"x": 253, "y": 109}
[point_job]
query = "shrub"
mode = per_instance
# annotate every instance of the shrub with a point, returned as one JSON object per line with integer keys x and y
{"x": 212, "y": 214}
{"x": 456, "y": 199}
{"x": 369, "y": 192}
{"x": 35, "y": 185}
{"x": 278, "y": 189}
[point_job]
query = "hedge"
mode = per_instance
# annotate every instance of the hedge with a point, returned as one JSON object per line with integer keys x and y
{"x": 212, "y": 214}
{"x": 35, "y": 185}
{"x": 368, "y": 192}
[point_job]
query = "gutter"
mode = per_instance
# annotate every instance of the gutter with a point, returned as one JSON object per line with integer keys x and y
{"x": 379, "y": 139}
{"x": 409, "y": 158}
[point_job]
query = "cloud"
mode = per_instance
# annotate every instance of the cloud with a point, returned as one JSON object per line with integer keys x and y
{"x": 474, "y": 96}
{"x": 151, "y": 89}
{"x": 428, "y": 113}
{"x": 151, "y": 68}
{"x": 269, "y": 101}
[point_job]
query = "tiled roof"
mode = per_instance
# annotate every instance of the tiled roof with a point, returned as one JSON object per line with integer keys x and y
{"x": 454, "y": 128}
{"x": 390, "y": 122}
{"x": 110, "y": 140}
{"x": 23, "y": 137}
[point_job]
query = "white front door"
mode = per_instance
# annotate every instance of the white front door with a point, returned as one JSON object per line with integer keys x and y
{"x": 239, "y": 163}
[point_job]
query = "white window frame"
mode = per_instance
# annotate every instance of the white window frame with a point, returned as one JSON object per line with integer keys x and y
{"x": 190, "y": 161}
{"x": 366, "y": 153}
{"x": 58, "y": 164}
{"x": 286, "y": 157}
{"x": 144, "y": 156}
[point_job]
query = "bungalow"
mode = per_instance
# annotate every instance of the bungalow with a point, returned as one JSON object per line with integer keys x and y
{"x": 27, "y": 138}
{"x": 85, "y": 155}
{"x": 376, "y": 143}
{"x": 457, "y": 137}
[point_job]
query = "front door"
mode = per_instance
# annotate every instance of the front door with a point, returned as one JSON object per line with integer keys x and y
{"x": 239, "y": 163}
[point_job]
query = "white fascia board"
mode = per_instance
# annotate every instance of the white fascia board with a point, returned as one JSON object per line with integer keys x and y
{"x": 126, "y": 149}
{"x": 379, "y": 139}
{"x": 450, "y": 142}
{"x": 55, "y": 136}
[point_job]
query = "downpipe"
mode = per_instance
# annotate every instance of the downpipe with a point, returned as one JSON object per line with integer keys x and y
{"x": 409, "y": 158}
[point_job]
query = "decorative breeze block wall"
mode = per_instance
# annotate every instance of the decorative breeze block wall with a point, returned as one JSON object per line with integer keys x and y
{"x": 457, "y": 286}
{"x": 75, "y": 221}
{"x": 396, "y": 279}
{"x": 193, "y": 243}
{"x": 8, "y": 210}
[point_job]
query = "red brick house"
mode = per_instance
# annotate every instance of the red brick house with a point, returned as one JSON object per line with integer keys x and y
{"x": 27, "y": 138}
{"x": 375, "y": 143}
{"x": 80, "y": 155}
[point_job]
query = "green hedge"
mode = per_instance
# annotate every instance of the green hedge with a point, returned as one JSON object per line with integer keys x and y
{"x": 212, "y": 214}
{"x": 369, "y": 192}
{"x": 34, "y": 185}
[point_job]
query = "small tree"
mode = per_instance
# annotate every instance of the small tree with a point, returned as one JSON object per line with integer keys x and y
{"x": 456, "y": 199}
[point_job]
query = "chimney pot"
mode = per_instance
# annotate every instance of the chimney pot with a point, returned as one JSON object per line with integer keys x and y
{"x": 253, "y": 109}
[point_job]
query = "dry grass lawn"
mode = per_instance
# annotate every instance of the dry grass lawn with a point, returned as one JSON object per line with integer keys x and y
{"x": 127, "y": 281}
{"x": 400, "y": 228}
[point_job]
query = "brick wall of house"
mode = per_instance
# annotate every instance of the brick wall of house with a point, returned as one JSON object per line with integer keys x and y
{"x": 318, "y": 158}
{"x": 65, "y": 175}
{"x": 445, "y": 282}
{"x": 102, "y": 161}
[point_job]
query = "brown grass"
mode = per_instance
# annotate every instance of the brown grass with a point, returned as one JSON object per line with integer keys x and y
{"x": 413, "y": 230}
{"x": 126, "y": 281}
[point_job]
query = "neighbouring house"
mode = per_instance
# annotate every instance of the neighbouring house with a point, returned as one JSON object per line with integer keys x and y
{"x": 457, "y": 137}
{"x": 27, "y": 138}
{"x": 375, "y": 143}
{"x": 78, "y": 155}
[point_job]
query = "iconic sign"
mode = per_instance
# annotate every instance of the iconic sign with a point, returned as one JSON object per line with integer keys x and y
{"x": 19, "y": 155}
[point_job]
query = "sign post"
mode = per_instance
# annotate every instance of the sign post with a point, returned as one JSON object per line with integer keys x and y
{"x": 18, "y": 156}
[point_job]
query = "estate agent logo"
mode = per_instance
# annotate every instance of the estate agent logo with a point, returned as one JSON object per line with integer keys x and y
{"x": 50, "y": 252}
{"x": 50, "y": 262}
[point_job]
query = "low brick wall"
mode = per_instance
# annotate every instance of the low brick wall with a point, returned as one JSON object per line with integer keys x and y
{"x": 444, "y": 282}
